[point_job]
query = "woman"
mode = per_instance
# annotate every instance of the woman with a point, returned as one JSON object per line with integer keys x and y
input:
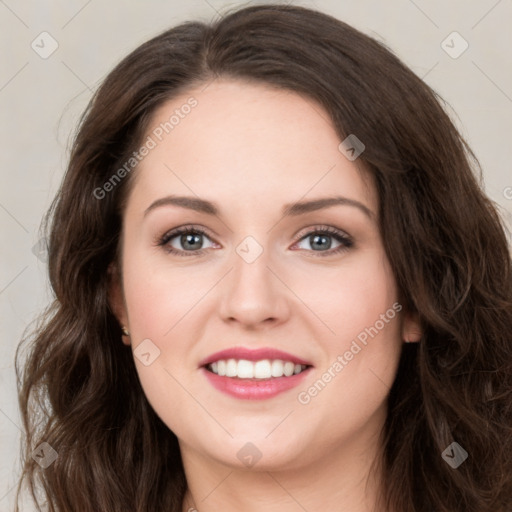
{"x": 263, "y": 367}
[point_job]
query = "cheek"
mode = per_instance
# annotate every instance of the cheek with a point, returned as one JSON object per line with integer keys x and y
{"x": 360, "y": 338}
{"x": 352, "y": 297}
{"x": 160, "y": 308}
{"x": 158, "y": 298}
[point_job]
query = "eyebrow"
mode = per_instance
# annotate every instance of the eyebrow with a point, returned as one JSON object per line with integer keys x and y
{"x": 292, "y": 209}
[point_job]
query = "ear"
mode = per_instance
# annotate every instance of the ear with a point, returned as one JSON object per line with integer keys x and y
{"x": 411, "y": 328}
{"x": 116, "y": 300}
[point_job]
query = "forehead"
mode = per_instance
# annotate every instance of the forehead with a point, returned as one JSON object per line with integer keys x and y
{"x": 234, "y": 139}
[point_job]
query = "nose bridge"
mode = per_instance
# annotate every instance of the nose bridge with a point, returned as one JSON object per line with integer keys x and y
{"x": 251, "y": 264}
{"x": 253, "y": 293}
{"x": 251, "y": 273}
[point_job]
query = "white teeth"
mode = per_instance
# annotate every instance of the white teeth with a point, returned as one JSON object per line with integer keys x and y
{"x": 288, "y": 369}
{"x": 221, "y": 367}
{"x": 277, "y": 368}
{"x": 264, "y": 369}
{"x": 231, "y": 368}
{"x": 245, "y": 369}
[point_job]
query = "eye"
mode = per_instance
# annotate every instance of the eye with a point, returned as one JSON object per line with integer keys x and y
{"x": 321, "y": 238}
{"x": 189, "y": 239}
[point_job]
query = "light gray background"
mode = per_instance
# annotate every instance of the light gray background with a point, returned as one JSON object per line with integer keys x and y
{"x": 41, "y": 100}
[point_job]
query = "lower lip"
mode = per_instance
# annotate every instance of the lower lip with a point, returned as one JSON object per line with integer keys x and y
{"x": 252, "y": 389}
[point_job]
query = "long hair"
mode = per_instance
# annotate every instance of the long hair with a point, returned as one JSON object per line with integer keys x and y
{"x": 78, "y": 387}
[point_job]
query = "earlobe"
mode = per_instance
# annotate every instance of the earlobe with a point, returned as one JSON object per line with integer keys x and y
{"x": 411, "y": 328}
{"x": 116, "y": 301}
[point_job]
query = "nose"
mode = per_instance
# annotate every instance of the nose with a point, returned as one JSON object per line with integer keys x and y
{"x": 254, "y": 294}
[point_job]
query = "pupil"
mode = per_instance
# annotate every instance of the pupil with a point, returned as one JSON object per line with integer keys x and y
{"x": 317, "y": 238}
{"x": 185, "y": 239}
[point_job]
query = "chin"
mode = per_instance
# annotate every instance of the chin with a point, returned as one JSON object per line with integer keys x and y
{"x": 257, "y": 451}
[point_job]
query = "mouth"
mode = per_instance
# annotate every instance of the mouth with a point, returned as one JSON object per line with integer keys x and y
{"x": 254, "y": 374}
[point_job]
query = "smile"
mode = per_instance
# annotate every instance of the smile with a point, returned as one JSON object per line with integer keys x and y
{"x": 254, "y": 374}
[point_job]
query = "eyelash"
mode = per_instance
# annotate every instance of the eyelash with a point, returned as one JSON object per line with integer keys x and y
{"x": 345, "y": 241}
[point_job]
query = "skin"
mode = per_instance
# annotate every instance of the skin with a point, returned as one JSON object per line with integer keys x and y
{"x": 252, "y": 149}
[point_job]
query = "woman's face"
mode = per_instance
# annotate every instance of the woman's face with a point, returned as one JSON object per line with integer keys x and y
{"x": 262, "y": 275}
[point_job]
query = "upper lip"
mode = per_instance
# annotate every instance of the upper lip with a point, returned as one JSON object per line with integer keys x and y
{"x": 252, "y": 355}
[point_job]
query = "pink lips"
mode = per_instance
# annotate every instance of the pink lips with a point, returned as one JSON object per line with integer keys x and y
{"x": 253, "y": 389}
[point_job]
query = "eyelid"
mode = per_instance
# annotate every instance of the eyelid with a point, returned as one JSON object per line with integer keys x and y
{"x": 162, "y": 240}
{"x": 321, "y": 228}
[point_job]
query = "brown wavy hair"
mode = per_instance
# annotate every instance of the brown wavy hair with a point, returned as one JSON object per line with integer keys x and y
{"x": 447, "y": 245}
